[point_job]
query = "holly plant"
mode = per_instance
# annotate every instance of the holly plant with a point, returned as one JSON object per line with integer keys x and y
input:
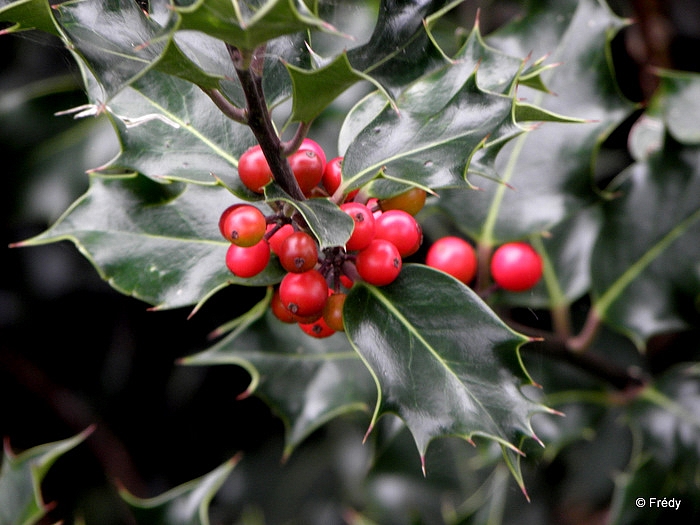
{"x": 418, "y": 260}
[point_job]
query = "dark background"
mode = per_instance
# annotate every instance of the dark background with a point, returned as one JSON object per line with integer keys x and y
{"x": 74, "y": 353}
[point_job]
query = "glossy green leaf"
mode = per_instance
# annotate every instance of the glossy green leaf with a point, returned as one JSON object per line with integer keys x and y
{"x": 157, "y": 242}
{"x": 195, "y": 141}
{"x": 400, "y": 50}
{"x": 330, "y": 225}
{"x": 437, "y": 124}
{"x": 186, "y": 504}
{"x": 645, "y": 272}
{"x": 28, "y": 14}
{"x": 246, "y": 25}
{"x": 21, "y": 500}
{"x": 427, "y": 329}
{"x": 315, "y": 89}
{"x": 548, "y": 171}
{"x": 306, "y": 381}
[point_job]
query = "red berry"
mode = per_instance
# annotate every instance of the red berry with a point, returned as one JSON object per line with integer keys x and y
{"x": 401, "y": 229}
{"x": 411, "y": 201}
{"x": 242, "y": 224}
{"x": 304, "y": 294}
{"x": 351, "y": 195}
{"x": 333, "y": 311}
{"x": 278, "y": 309}
{"x": 318, "y": 329}
{"x": 309, "y": 144}
{"x": 253, "y": 169}
{"x": 298, "y": 253}
{"x": 307, "y": 167}
{"x": 332, "y": 175}
{"x": 248, "y": 261}
{"x": 363, "y": 231}
{"x": 279, "y": 236}
{"x": 453, "y": 256}
{"x": 346, "y": 282}
{"x": 516, "y": 266}
{"x": 380, "y": 263}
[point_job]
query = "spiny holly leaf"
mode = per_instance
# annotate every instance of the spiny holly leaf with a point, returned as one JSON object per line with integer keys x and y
{"x": 437, "y": 124}
{"x": 645, "y": 274}
{"x": 548, "y": 172}
{"x": 157, "y": 242}
{"x": 306, "y": 381}
{"x": 186, "y": 504}
{"x": 315, "y": 89}
{"x": 400, "y": 50}
{"x": 427, "y": 329}
{"x": 21, "y": 501}
{"x": 247, "y": 25}
{"x": 28, "y": 14}
{"x": 113, "y": 37}
{"x": 195, "y": 141}
{"x": 330, "y": 225}
{"x": 665, "y": 422}
{"x": 399, "y": 45}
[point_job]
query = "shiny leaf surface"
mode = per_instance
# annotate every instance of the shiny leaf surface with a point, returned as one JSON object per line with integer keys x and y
{"x": 427, "y": 329}
{"x": 548, "y": 171}
{"x": 157, "y": 242}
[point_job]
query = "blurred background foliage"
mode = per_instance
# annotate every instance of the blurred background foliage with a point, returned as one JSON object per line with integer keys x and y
{"x": 74, "y": 352}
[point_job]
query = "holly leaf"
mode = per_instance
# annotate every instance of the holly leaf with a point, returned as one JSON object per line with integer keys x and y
{"x": 399, "y": 51}
{"x": 315, "y": 89}
{"x": 247, "y": 25}
{"x": 400, "y": 48}
{"x": 26, "y": 15}
{"x": 665, "y": 423}
{"x": 186, "y": 504}
{"x": 21, "y": 501}
{"x": 196, "y": 142}
{"x": 645, "y": 276}
{"x": 330, "y": 225}
{"x": 437, "y": 123}
{"x": 544, "y": 176}
{"x": 427, "y": 329}
{"x": 157, "y": 242}
{"x": 306, "y": 381}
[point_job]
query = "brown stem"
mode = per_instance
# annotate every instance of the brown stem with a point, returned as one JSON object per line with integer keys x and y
{"x": 483, "y": 281}
{"x": 551, "y": 345}
{"x": 581, "y": 342}
{"x": 599, "y": 367}
{"x": 249, "y": 70}
{"x": 293, "y": 144}
{"x": 233, "y": 112}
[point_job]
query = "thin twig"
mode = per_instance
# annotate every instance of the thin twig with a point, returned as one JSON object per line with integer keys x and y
{"x": 233, "y": 112}
{"x": 292, "y": 145}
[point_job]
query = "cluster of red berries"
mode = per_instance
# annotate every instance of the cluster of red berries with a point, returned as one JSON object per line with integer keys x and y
{"x": 514, "y": 266}
{"x": 315, "y": 176}
{"x": 312, "y": 293}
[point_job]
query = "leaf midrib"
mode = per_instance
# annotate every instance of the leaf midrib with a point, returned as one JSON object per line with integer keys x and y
{"x": 409, "y": 326}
